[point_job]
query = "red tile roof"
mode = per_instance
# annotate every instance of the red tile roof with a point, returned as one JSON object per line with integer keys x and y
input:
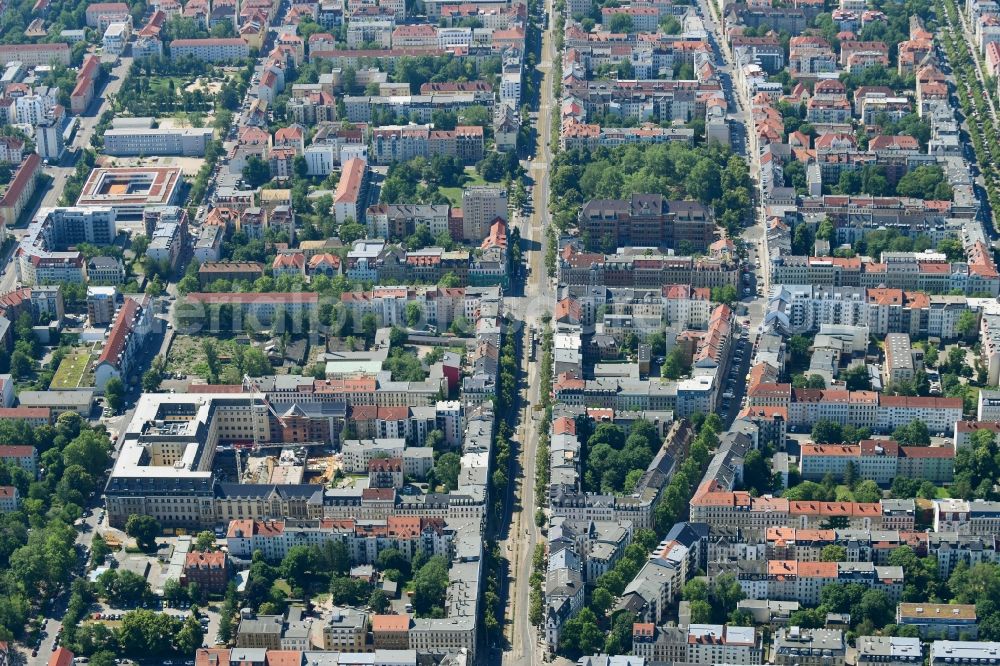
{"x": 914, "y": 402}
{"x": 25, "y": 413}
{"x": 390, "y": 623}
{"x": 25, "y": 174}
{"x": 61, "y": 657}
{"x": 198, "y": 559}
{"x": 284, "y": 658}
{"x": 393, "y": 413}
{"x": 211, "y": 657}
{"x": 209, "y": 41}
{"x": 120, "y": 332}
{"x": 351, "y": 180}
{"x": 16, "y": 451}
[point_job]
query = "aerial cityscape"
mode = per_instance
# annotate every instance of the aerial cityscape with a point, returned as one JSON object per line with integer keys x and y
{"x": 499, "y": 332}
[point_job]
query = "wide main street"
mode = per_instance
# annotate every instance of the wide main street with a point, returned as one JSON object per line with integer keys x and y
{"x": 523, "y": 534}
{"x": 525, "y": 642}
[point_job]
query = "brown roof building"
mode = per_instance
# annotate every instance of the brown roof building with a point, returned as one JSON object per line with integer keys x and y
{"x": 210, "y": 570}
{"x": 391, "y": 632}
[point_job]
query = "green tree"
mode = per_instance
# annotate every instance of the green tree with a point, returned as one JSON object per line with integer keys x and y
{"x": 378, "y": 602}
{"x": 756, "y": 474}
{"x": 704, "y": 181}
{"x": 875, "y": 607}
{"x": 802, "y": 240}
{"x": 931, "y": 356}
{"x": 256, "y": 172}
{"x": 205, "y": 541}
{"x": 174, "y": 593}
{"x": 89, "y": 450}
{"x": 190, "y": 636}
{"x": 826, "y": 432}
{"x": 825, "y": 230}
{"x": 833, "y": 553}
{"x": 446, "y": 470}
{"x": 114, "y": 393}
{"x": 581, "y": 635}
{"x": 300, "y": 167}
{"x": 601, "y": 601}
{"x": 815, "y": 382}
{"x": 414, "y": 314}
{"x": 429, "y": 586}
{"x": 99, "y": 550}
{"x": 868, "y": 492}
{"x": 724, "y": 294}
{"x": 123, "y": 588}
{"x": 95, "y": 638}
{"x": 151, "y": 380}
{"x": 924, "y": 182}
{"x": 701, "y": 612}
{"x": 211, "y": 352}
{"x": 256, "y": 363}
{"x": 297, "y": 565}
{"x": 144, "y": 529}
{"x": 851, "y": 475}
{"x": 856, "y": 378}
{"x": 915, "y": 433}
{"x": 397, "y": 337}
{"x": 145, "y": 633}
{"x": 351, "y": 231}
{"x": 798, "y": 351}
{"x": 670, "y": 25}
{"x": 953, "y": 250}
{"x": 966, "y": 324}
{"x": 676, "y": 364}
{"x": 391, "y": 558}
{"x": 919, "y": 573}
{"x": 350, "y": 591}
{"x": 726, "y": 594}
{"x": 694, "y": 590}
{"x": 21, "y": 365}
{"x": 620, "y": 23}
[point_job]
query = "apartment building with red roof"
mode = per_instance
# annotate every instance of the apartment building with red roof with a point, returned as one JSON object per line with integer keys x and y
{"x": 25, "y": 457}
{"x": 20, "y": 190}
{"x": 126, "y": 336}
{"x": 210, "y": 570}
{"x": 10, "y": 500}
{"x": 878, "y": 460}
{"x": 391, "y": 632}
{"x": 101, "y": 14}
{"x": 34, "y": 416}
{"x": 350, "y": 199}
{"x": 36, "y": 55}
{"x": 211, "y": 49}
{"x": 290, "y": 263}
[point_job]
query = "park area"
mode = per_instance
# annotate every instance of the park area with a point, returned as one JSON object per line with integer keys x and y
{"x": 71, "y": 371}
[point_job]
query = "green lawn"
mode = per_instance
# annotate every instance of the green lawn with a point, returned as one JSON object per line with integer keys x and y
{"x": 162, "y": 83}
{"x": 71, "y": 370}
{"x": 471, "y": 178}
